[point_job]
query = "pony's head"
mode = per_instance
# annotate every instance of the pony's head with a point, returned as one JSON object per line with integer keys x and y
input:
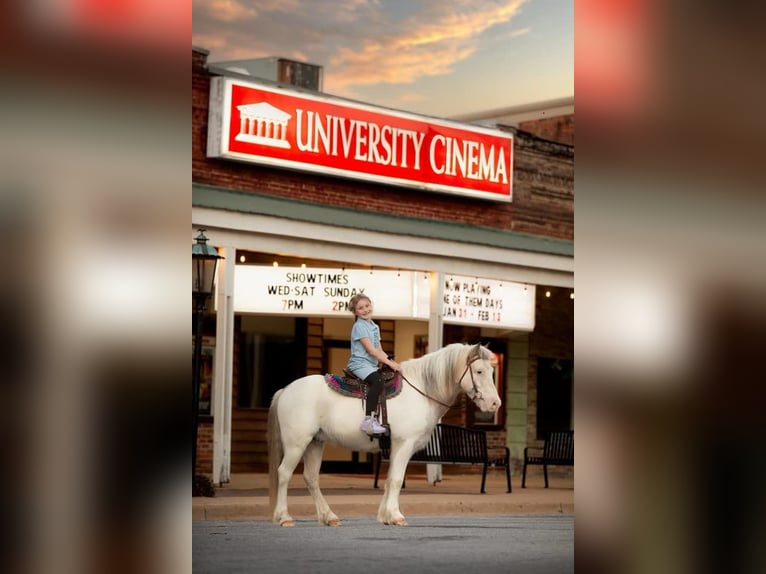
{"x": 478, "y": 380}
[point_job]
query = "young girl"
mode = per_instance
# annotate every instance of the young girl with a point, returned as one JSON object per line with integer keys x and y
{"x": 365, "y": 355}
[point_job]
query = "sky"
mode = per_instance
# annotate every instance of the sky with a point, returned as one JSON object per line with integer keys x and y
{"x": 435, "y": 57}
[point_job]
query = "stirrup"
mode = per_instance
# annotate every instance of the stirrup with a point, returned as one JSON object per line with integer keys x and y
{"x": 386, "y": 434}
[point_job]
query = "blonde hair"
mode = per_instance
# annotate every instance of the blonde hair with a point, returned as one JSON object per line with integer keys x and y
{"x": 354, "y": 300}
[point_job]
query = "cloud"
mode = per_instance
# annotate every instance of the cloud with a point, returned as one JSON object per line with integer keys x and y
{"x": 211, "y": 42}
{"x": 518, "y": 32}
{"x": 360, "y": 43}
{"x": 409, "y": 97}
{"x": 427, "y": 43}
{"x": 452, "y": 26}
{"x": 225, "y": 10}
{"x": 372, "y": 66}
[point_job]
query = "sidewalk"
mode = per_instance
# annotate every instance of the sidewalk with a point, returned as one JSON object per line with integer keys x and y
{"x": 246, "y": 496}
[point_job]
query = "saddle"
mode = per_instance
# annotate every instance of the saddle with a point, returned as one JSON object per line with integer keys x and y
{"x": 388, "y": 375}
{"x": 351, "y": 385}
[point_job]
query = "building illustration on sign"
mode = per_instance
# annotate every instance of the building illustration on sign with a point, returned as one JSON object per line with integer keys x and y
{"x": 264, "y": 124}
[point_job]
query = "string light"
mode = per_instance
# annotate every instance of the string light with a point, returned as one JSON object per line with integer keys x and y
{"x": 303, "y": 265}
{"x": 275, "y": 264}
{"x": 241, "y": 258}
{"x": 571, "y": 295}
{"x": 547, "y": 293}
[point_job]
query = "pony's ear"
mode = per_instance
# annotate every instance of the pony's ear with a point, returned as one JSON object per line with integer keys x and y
{"x": 475, "y": 352}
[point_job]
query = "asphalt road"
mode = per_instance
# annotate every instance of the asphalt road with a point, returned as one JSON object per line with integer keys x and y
{"x": 518, "y": 544}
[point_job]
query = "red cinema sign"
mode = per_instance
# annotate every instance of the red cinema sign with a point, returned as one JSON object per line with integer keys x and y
{"x": 270, "y": 125}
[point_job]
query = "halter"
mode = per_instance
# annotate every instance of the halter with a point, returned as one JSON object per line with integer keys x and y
{"x": 475, "y": 389}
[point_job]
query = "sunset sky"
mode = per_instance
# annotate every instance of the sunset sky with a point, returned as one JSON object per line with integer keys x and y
{"x": 435, "y": 57}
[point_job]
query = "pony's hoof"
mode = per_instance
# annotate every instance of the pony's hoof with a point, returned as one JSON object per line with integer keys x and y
{"x": 396, "y": 522}
{"x": 334, "y": 522}
{"x": 287, "y": 523}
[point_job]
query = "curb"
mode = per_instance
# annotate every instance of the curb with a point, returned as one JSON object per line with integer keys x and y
{"x": 233, "y": 509}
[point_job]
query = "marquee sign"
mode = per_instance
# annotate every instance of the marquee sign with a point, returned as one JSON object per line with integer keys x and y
{"x": 326, "y": 292}
{"x": 488, "y": 303}
{"x": 267, "y": 125}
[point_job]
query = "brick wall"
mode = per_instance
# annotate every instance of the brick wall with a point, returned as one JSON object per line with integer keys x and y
{"x": 205, "y": 447}
{"x": 559, "y": 129}
{"x": 496, "y": 438}
{"x": 543, "y": 201}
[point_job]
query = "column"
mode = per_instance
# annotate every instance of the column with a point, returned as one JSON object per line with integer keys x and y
{"x": 435, "y": 341}
{"x": 435, "y": 317}
{"x": 516, "y": 399}
{"x": 222, "y": 374}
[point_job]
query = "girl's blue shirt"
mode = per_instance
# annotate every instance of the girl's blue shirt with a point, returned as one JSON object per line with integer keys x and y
{"x": 361, "y": 363}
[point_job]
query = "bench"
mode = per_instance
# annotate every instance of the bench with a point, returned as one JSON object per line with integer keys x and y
{"x": 450, "y": 444}
{"x": 557, "y": 450}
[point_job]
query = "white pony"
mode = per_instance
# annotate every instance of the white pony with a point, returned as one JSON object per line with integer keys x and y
{"x": 306, "y": 414}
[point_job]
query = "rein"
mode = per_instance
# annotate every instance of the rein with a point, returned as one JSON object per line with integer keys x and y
{"x": 473, "y": 382}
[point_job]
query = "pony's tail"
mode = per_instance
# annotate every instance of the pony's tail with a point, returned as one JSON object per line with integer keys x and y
{"x": 275, "y": 450}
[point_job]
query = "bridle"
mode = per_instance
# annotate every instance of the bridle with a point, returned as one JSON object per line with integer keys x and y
{"x": 475, "y": 389}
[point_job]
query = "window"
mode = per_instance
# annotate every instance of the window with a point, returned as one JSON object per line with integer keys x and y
{"x": 271, "y": 360}
{"x": 554, "y": 395}
{"x": 205, "y": 374}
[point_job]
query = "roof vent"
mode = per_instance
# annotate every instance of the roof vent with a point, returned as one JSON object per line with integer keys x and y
{"x": 301, "y": 74}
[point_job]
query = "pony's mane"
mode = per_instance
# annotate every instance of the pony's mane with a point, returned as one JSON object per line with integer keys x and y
{"x": 439, "y": 371}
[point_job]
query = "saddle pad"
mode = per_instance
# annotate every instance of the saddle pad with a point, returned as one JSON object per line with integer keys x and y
{"x": 352, "y": 389}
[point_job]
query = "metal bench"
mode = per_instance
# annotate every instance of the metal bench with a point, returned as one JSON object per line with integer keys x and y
{"x": 557, "y": 450}
{"x": 450, "y": 444}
